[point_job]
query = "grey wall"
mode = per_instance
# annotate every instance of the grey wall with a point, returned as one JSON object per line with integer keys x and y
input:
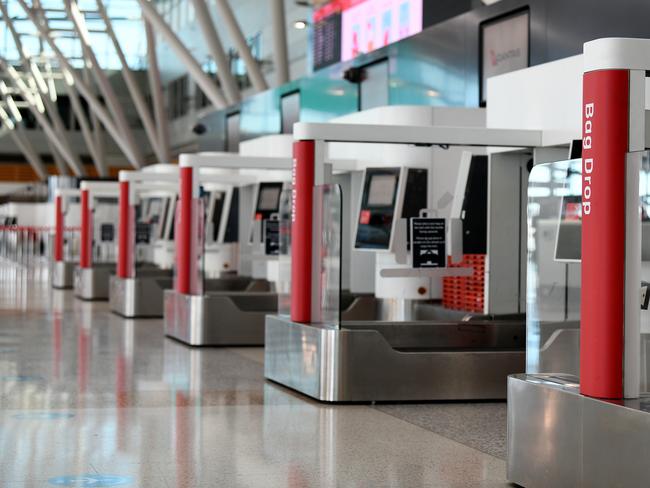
{"x": 558, "y": 28}
{"x": 444, "y": 58}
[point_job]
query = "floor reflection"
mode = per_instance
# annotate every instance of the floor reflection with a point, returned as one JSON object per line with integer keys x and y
{"x": 84, "y": 391}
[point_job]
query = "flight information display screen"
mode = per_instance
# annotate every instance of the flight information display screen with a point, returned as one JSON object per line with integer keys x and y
{"x": 327, "y": 39}
{"x": 343, "y": 29}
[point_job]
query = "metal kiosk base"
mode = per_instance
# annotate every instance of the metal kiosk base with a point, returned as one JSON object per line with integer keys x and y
{"x": 229, "y": 313}
{"x": 92, "y": 283}
{"x": 233, "y": 318}
{"x": 557, "y": 437}
{"x": 63, "y": 275}
{"x": 370, "y": 361}
{"x": 141, "y": 296}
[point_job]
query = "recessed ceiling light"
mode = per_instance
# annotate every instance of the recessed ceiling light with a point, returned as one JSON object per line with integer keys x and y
{"x": 300, "y": 24}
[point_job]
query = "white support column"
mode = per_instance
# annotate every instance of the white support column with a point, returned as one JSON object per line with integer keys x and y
{"x": 155, "y": 86}
{"x": 86, "y": 131}
{"x": 104, "y": 84}
{"x": 216, "y": 51}
{"x": 254, "y": 71}
{"x": 58, "y": 126}
{"x": 205, "y": 83}
{"x": 84, "y": 89}
{"x": 280, "y": 50}
{"x": 42, "y": 120}
{"x": 31, "y": 70}
{"x": 53, "y": 112}
{"x": 32, "y": 157}
{"x": 59, "y": 163}
{"x": 98, "y": 131}
{"x": 134, "y": 90}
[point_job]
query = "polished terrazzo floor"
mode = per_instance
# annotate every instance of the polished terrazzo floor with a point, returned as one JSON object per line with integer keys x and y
{"x": 105, "y": 401}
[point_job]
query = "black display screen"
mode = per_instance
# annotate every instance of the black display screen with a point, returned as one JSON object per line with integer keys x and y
{"x": 142, "y": 233}
{"x": 217, "y": 210}
{"x": 377, "y": 210}
{"x": 107, "y": 232}
{"x": 165, "y": 214}
{"x": 415, "y": 197}
{"x": 268, "y": 200}
{"x": 568, "y": 244}
{"x": 268, "y": 203}
{"x": 272, "y": 237}
{"x": 232, "y": 226}
{"x": 475, "y": 207}
{"x": 173, "y": 226}
{"x": 327, "y": 41}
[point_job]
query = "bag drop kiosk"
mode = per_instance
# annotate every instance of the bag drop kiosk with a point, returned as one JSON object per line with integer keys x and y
{"x": 218, "y": 301}
{"x": 66, "y": 237}
{"x": 145, "y": 253}
{"x": 424, "y": 349}
{"x": 99, "y": 214}
{"x": 580, "y": 415}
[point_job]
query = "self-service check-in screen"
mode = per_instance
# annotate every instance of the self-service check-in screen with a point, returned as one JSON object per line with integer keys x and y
{"x": 569, "y": 233}
{"x": 269, "y": 198}
{"x": 268, "y": 202}
{"x": 377, "y": 209}
{"x": 382, "y": 190}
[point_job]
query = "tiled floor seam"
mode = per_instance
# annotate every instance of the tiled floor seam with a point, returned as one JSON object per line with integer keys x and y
{"x": 456, "y": 441}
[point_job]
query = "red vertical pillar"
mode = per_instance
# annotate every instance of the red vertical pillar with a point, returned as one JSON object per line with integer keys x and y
{"x": 85, "y": 254}
{"x": 301, "y": 230}
{"x": 183, "y": 233}
{"x": 605, "y": 145}
{"x": 58, "y": 228}
{"x": 123, "y": 257}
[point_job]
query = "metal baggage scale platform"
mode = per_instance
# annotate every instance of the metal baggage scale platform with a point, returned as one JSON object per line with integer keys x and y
{"x": 420, "y": 344}
{"x": 99, "y": 212}
{"x": 145, "y": 241}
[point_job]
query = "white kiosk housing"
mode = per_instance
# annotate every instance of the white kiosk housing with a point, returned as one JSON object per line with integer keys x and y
{"x": 99, "y": 213}
{"x": 415, "y": 352}
{"x": 145, "y": 254}
{"x": 212, "y": 304}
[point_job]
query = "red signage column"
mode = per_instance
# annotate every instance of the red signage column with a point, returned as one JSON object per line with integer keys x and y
{"x": 123, "y": 258}
{"x": 602, "y": 316}
{"x": 301, "y": 230}
{"x": 85, "y": 253}
{"x": 183, "y": 232}
{"x": 58, "y": 229}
